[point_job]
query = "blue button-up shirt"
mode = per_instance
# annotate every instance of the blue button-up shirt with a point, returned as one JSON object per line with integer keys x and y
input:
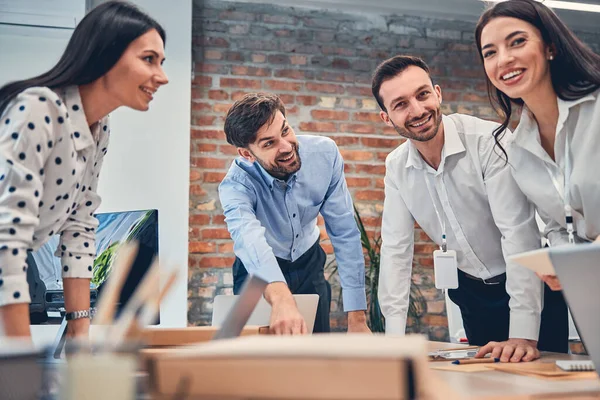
{"x": 268, "y": 217}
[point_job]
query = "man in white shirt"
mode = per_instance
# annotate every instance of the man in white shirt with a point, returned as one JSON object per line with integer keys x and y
{"x": 450, "y": 178}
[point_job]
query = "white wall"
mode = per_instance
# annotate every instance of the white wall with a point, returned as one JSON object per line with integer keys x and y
{"x": 147, "y": 165}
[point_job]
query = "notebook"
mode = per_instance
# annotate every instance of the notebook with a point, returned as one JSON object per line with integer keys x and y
{"x": 575, "y": 365}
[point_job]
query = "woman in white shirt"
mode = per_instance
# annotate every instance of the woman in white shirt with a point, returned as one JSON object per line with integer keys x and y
{"x": 532, "y": 59}
{"x": 53, "y": 137}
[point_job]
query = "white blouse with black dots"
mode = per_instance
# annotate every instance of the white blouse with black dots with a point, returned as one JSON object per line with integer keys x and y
{"x": 49, "y": 169}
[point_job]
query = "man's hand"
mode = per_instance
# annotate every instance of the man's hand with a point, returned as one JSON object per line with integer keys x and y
{"x": 357, "y": 322}
{"x": 285, "y": 317}
{"x": 512, "y": 350}
{"x": 550, "y": 280}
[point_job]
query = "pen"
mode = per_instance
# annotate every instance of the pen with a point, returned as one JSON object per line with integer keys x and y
{"x": 476, "y": 361}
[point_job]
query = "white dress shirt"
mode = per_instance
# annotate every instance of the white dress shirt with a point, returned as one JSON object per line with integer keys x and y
{"x": 487, "y": 218}
{"x": 49, "y": 168}
{"x": 534, "y": 170}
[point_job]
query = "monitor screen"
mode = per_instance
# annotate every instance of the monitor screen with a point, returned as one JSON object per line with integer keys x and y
{"x": 114, "y": 229}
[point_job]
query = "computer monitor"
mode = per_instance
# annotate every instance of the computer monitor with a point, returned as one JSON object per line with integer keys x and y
{"x": 115, "y": 228}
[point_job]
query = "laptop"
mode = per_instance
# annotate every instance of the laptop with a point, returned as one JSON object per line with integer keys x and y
{"x": 261, "y": 315}
{"x": 578, "y": 269}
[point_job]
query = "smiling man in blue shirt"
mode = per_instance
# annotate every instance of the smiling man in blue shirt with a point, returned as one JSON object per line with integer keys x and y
{"x": 271, "y": 197}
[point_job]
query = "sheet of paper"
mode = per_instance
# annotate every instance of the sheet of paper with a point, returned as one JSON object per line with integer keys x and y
{"x": 459, "y": 368}
{"x": 537, "y": 260}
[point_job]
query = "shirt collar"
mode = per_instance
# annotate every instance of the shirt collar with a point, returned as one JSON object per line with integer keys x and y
{"x": 452, "y": 145}
{"x": 82, "y": 136}
{"x": 526, "y": 135}
{"x": 271, "y": 181}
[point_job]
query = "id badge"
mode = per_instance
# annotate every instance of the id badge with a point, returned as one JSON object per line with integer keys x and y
{"x": 445, "y": 268}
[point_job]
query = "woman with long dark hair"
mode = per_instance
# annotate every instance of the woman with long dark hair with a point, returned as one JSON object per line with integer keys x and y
{"x": 536, "y": 64}
{"x": 53, "y": 136}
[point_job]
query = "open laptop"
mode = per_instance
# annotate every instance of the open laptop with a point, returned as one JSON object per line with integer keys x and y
{"x": 261, "y": 316}
{"x": 578, "y": 269}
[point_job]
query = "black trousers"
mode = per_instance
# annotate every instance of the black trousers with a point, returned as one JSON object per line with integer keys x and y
{"x": 303, "y": 276}
{"x": 486, "y": 314}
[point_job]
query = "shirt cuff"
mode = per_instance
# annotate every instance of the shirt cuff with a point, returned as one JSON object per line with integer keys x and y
{"x": 395, "y": 326}
{"x": 77, "y": 265}
{"x": 354, "y": 299}
{"x": 524, "y": 325}
{"x": 14, "y": 288}
{"x": 270, "y": 274}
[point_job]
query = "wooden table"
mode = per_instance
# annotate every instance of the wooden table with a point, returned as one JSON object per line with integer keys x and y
{"x": 495, "y": 385}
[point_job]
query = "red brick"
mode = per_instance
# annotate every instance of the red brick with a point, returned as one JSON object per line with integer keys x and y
{"x": 435, "y": 320}
{"x": 217, "y": 95}
{"x": 475, "y": 98}
{"x": 218, "y": 219}
{"x": 369, "y": 195}
{"x": 207, "y": 134}
{"x": 329, "y": 115}
{"x": 358, "y": 182}
{"x": 235, "y": 96}
{"x": 371, "y": 221}
{"x": 324, "y": 87}
{"x": 368, "y": 117}
{"x": 388, "y": 130}
{"x": 287, "y": 99}
{"x": 298, "y": 60}
{"x": 228, "y": 149}
{"x": 199, "y": 219}
{"x": 204, "y": 120}
{"x": 259, "y": 58}
{"x": 357, "y": 128}
{"x": 198, "y": 92}
{"x": 195, "y": 175}
{"x": 207, "y": 41}
{"x": 222, "y": 108}
{"x": 278, "y": 59}
{"x": 216, "y": 262}
{"x": 250, "y": 71}
{"x": 283, "y": 85}
{"x": 370, "y": 169}
{"x": 306, "y": 100}
{"x": 202, "y": 80}
{"x": 379, "y": 183}
{"x": 348, "y": 168}
{"x": 201, "y": 106}
{"x": 450, "y": 96}
{"x": 208, "y": 162}
{"x": 356, "y": 155}
{"x": 292, "y": 74}
{"x": 214, "y": 177}
{"x": 215, "y": 233}
{"x": 425, "y": 248}
{"x": 240, "y": 83}
{"x": 196, "y": 190}
{"x": 292, "y": 110}
{"x": 467, "y": 73}
{"x": 213, "y": 54}
{"x": 380, "y": 143}
{"x": 345, "y": 140}
{"x": 212, "y": 68}
{"x": 426, "y": 262}
{"x": 234, "y": 56}
{"x": 318, "y": 126}
{"x": 424, "y": 237}
{"x": 225, "y": 248}
{"x": 364, "y": 91}
{"x": 202, "y": 247}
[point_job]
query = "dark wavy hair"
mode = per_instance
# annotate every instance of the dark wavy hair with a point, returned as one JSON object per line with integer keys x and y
{"x": 96, "y": 45}
{"x": 575, "y": 70}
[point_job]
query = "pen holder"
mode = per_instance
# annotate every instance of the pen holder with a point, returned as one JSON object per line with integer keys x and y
{"x": 93, "y": 374}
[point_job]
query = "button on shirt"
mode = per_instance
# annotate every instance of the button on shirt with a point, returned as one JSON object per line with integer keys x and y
{"x": 49, "y": 168}
{"x": 269, "y": 217}
{"x": 579, "y": 123}
{"x": 487, "y": 218}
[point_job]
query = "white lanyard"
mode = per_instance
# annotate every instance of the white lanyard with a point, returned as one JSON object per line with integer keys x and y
{"x": 565, "y": 192}
{"x": 444, "y": 246}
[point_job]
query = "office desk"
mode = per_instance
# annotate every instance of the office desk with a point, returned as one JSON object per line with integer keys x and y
{"x": 496, "y": 385}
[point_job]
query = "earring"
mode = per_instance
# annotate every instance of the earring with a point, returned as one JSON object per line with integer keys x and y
{"x": 551, "y": 57}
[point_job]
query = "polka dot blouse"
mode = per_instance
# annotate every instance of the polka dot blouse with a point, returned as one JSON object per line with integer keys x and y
{"x": 49, "y": 169}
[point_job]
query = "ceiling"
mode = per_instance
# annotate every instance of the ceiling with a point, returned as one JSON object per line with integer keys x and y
{"x": 466, "y": 10}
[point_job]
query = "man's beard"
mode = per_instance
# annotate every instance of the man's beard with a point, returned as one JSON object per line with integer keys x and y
{"x": 424, "y": 136}
{"x": 282, "y": 171}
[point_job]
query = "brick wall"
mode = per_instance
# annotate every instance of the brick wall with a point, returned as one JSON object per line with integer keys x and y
{"x": 320, "y": 63}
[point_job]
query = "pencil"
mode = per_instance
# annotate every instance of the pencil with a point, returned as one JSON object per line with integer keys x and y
{"x": 476, "y": 361}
